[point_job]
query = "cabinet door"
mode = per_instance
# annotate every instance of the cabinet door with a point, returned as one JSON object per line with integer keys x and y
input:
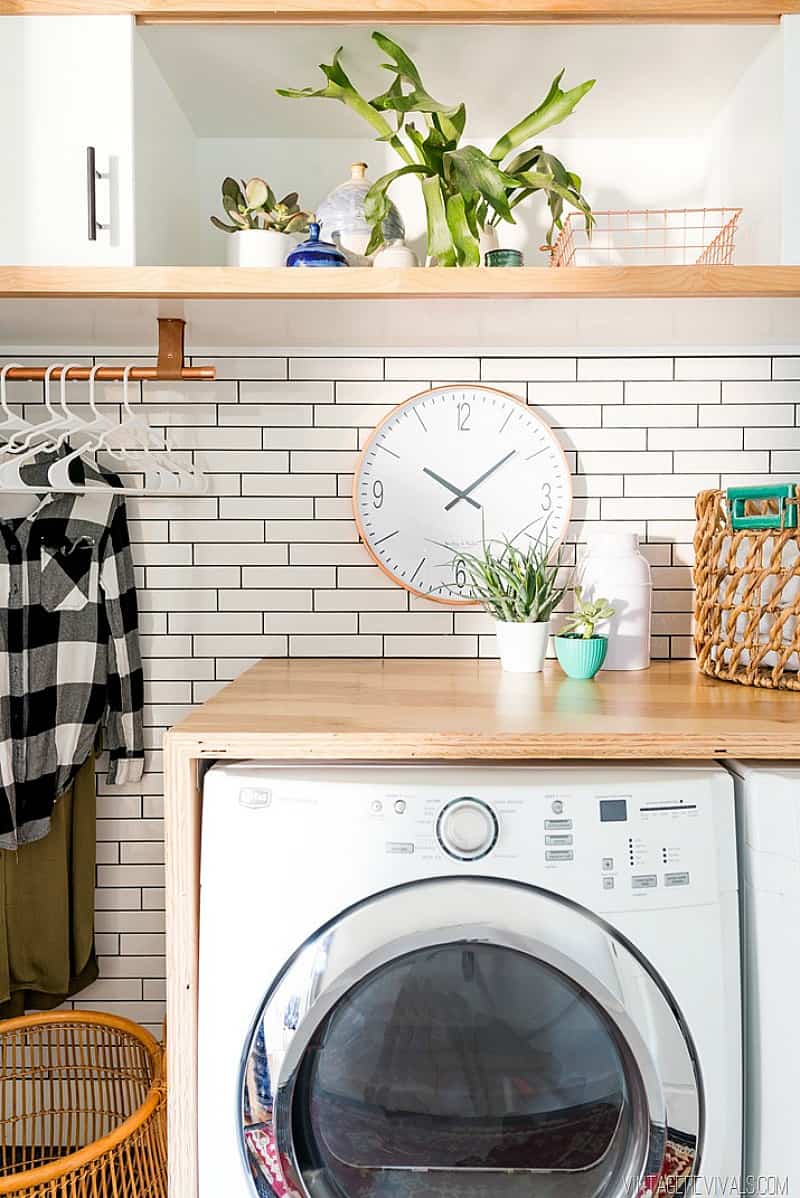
{"x": 65, "y": 84}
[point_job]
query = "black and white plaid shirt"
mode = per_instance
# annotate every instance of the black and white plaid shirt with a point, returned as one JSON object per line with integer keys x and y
{"x": 69, "y": 651}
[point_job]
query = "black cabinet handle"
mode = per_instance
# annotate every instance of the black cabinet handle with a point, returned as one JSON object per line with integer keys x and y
{"x": 91, "y": 193}
{"x": 92, "y": 175}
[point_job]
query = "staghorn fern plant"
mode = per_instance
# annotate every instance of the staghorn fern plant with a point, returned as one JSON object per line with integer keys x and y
{"x": 465, "y": 190}
{"x": 514, "y": 585}
{"x": 253, "y": 206}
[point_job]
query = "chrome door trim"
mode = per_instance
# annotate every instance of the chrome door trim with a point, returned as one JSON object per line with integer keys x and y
{"x": 311, "y": 984}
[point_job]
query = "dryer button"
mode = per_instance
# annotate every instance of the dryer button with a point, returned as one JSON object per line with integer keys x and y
{"x": 644, "y": 881}
{"x": 559, "y": 855}
{"x": 467, "y": 828}
{"x": 558, "y": 825}
{"x": 681, "y": 879}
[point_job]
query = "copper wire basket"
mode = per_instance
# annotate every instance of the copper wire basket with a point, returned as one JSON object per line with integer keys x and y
{"x": 662, "y": 236}
{"x": 82, "y": 1108}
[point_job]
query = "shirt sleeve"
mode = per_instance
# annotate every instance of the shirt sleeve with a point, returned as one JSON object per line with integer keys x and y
{"x": 122, "y": 734}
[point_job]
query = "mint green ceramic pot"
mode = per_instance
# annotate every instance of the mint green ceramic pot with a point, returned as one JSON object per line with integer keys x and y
{"x": 581, "y": 658}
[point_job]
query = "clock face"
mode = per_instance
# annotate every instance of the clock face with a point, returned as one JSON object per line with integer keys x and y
{"x": 447, "y": 469}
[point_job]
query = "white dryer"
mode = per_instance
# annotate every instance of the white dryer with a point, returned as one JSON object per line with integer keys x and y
{"x": 418, "y": 982}
{"x": 768, "y": 815}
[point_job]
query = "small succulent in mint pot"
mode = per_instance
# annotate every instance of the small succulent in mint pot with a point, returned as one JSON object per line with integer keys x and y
{"x": 579, "y": 647}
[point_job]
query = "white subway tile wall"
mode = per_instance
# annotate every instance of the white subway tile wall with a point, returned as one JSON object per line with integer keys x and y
{"x": 268, "y": 562}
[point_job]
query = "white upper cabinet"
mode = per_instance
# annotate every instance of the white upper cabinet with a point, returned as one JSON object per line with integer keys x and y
{"x": 66, "y": 83}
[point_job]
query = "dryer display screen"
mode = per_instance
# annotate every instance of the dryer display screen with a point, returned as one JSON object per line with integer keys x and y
{"x": 613, "y": 811}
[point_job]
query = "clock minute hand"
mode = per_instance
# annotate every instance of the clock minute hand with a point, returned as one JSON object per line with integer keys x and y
{"x": 456, "y": 491}
{"x": 465, "y": 494}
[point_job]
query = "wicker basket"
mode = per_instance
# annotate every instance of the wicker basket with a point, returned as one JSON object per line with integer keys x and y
{"x": 747, "y": 604}
{"x": 83, "y": 1108}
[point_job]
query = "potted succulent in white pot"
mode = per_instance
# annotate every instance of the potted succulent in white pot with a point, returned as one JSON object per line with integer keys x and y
{"x": 521, "y": 589}
{"x": 263, "y": 230}
{"x": 579, "y": 648}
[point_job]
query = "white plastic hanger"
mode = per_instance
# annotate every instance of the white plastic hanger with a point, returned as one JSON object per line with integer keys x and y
{"x": 170, "y": 475}
{"x": 163, "y": 475}
{"x": 144, "y": 455}
{"x": 56, "y": 418}
{"x": 58, "y": 476}
{"x": 13, "y": 423}
{"x": 10, "y": 477}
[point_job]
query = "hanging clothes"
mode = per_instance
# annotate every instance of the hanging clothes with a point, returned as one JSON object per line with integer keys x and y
{"x": 47, "y": 951}
{"x": 70, "y": 668}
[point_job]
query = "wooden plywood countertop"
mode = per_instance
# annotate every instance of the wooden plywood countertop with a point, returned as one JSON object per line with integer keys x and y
{"x": 401, "y": 710}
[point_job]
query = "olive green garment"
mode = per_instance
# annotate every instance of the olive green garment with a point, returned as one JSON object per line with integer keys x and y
{"x": 47, "y": 907}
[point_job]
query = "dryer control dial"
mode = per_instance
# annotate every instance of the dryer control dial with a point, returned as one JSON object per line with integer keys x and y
{"x": 467, "y": 829}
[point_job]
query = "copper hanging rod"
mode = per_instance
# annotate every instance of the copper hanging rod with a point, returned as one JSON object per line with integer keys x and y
{"x": 169, "y": 366}
{"x": 110, "y": 374}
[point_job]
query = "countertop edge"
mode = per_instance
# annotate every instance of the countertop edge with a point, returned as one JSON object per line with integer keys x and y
{"x": 344, "y": 747}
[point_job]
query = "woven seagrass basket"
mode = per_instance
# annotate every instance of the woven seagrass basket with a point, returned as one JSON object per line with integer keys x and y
{"x": 82, "y": 1108}
{"x": 747, "y": 603}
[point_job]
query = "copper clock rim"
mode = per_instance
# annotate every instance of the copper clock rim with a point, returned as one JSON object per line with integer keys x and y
{"x": 528, "y": 408}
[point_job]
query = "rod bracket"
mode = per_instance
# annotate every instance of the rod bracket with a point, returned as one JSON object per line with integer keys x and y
{"x": 171, "y": 352}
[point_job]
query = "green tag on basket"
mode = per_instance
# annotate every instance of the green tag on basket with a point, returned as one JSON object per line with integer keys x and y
{"x": 779, "y": 493}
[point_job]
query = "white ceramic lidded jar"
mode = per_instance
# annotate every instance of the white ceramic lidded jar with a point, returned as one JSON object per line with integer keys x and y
{"x": 341, "y": 215}
{"x": 613, "y": 568}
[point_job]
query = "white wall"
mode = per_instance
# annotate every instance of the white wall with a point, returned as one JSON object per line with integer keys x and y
{"x": 790, "y": 27}
{"x": 164, "y": 169}
{"x": 745, "y": 149}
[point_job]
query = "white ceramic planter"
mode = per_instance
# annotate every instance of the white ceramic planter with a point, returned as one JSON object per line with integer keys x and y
{"x": 259, "y": 247}
{"x": 522, "y": 646}
{"x": 487, "y": 240}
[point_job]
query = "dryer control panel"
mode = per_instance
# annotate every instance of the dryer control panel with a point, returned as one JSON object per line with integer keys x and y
{"x": 623, "y": 840}
{"x": 610, "y": 837}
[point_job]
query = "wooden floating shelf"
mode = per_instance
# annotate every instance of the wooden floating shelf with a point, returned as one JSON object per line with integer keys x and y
{"x": 420, "y": 11}
{"x": 222, "y": 282}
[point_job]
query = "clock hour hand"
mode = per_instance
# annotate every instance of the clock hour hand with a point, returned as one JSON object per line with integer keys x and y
{"x": 465, "y": 494}
{"x": 456, "y": 491}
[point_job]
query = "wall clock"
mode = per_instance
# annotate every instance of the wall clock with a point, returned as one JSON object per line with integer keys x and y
{"x": 448, "y": 467}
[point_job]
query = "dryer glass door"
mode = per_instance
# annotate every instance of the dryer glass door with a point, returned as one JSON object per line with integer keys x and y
{"x": 461, "y": 1070}
{"x": 504, "y": 1047}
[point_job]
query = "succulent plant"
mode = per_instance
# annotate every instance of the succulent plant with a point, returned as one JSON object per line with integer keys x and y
{"x": 586, "y": 616}
{"x": 252, "y": 205}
